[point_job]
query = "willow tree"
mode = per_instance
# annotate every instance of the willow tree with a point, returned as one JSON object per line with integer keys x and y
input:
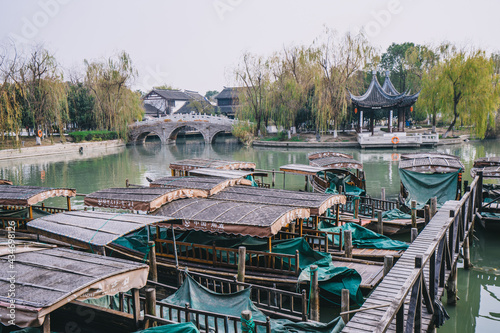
{"x": 463, "y": 86}
{"x": 116, "y": 105}
{"x": 341, "y": 59}
{"x": 253, "y": 76}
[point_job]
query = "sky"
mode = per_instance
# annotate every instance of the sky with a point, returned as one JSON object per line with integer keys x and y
{"x": 197, "y": 44}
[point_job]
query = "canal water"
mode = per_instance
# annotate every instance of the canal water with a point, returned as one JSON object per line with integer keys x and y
{"x": 478, "y": 309}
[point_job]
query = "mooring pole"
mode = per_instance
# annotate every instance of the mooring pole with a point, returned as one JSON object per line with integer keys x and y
{"x": 153, "y": 269}
{"x": 274, "y": 177}
{"x": 451, "y": 289}
{"x": 242, "y": 254}
{"x": 150, "y": 305}
{"x": 344, "y": 305}
{"x": 427, "y": 214}
{"x": 348, "y": 243}
{"x": 380, "y": 223}
{"x": 388, "y": 263}
{"x": 433, "y": 206}
{"x": 413, "y": 214}
{"x": 414, "y": 234}
{"x": 382, "y": 193}
{"x": 467, "y": 264}
{"x": 314, "y": 297}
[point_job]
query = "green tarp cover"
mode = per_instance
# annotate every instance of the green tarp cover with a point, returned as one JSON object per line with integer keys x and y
{"x": 254, "y": 183}
{"x": 337, "y": 180}
{"x": 201, "y": 298}
{"x": 172, "y": 328}
{"x": 423, "y": 186}
{"x": 395, "y": 214}
{"x": 490, "y": 215}
{"x": 364, "y": 238}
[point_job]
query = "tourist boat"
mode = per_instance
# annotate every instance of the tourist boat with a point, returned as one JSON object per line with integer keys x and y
{"x": 427, "y": 175}
{"x": 342, "y": 170}
{"x": 488, "y": 212}
{"x": 18, "y": 204}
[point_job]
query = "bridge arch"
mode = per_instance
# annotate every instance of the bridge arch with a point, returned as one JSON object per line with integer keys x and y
{"x": 171, "y": 135}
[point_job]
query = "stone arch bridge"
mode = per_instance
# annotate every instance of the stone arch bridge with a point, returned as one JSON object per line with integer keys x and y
{"x": 167, "y": 128}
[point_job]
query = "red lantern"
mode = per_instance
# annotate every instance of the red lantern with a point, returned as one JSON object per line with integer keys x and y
{"x": 355, "y": 110}
{"x": 411, "y": 108}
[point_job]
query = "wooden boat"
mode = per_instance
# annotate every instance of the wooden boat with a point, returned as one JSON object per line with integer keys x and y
{"x": 183, "y": 167}
{"x": 341, "y": 166}
{"x": 441, "y": 174}
{"x": 18, "y": 203}
{"x": 50, "y": 285}
{"x": 488, "y": 213}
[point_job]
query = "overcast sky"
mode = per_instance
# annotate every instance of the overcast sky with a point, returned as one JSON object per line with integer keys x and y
{"x": 196, "y": 44}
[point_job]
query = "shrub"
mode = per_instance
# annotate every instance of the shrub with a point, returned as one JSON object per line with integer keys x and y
{"x": 93, "y": 136}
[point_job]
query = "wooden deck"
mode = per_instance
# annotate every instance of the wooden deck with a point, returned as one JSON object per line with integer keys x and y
{"x": 404, "y": 300}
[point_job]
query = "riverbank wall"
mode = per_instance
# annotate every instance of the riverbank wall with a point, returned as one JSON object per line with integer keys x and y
{"x": 59, "y": 148}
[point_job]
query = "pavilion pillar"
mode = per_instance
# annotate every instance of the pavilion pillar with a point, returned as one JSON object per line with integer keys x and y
{"x": 360, "y": 121}
{"x": 390, "y": 121}
{"x": 372, "y": 123}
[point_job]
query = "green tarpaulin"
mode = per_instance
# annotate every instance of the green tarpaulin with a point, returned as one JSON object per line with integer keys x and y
{"x": 395, "y": 214}
{"x": 334, "y": 278}
{"x": 423, "y": 186}
{"x": 172, "y": 328}
{"x": 337, "y": 180}
{"x": 364, "y": 238}
{"x": 201, "y": 298}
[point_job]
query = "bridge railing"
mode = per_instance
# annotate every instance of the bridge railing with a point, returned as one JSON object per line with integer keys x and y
{"x": 418, "y": 276}
{"x": 187, "y": 118}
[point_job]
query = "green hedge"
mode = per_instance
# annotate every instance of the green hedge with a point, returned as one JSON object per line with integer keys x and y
{"x": 93, "y": 136}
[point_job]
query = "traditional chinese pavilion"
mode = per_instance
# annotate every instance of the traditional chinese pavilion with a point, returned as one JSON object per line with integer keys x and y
{"x": 384, "y": 97}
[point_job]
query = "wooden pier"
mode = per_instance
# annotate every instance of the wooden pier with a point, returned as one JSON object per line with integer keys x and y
{"x": 405, "y": 300}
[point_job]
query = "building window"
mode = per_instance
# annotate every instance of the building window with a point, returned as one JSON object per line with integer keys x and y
{"x": 171, "y": 103}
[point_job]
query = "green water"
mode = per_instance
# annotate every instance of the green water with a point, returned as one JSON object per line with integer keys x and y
{"x": 478, "y": 309}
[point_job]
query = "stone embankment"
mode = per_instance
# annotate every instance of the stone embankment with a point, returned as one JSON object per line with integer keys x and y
{"x": 59, "y": 148}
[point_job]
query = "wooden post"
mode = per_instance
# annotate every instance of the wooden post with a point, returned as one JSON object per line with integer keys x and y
{"x": 137, "y": 306}
{"x": 127, "y": 184}
{"x": 274, "y": 177}
{"x": 292, "y": 227}
{"x": 246, "y": 318}
{"x": 301, "y": 225}
{"x": 150, "y": 305}
{"x": 413, "y": 214}
{"x": 427, "y": 214}
{"x": 451, "y": 289}
{"x": 337, "y": 214}
{"x": 284, "y": 173}
{"x": 348, "y": 243}
{"x": 414, "y": 234}
{"x": 304, "y": 305}
{"x": 31, "y": 213}
{"x": 433, "y": 206}
{"x": 479, "y": 192}
{"x": 467, "y": 264}
{"x": 153, "y": 270}
{"x": 242, "y": 254}
{"x": 46, "y": 324}
{"x": 344, "y": 305}
{"x": 172, "y": 172}
{"x": 314, "y": 297}
{"x": 388, "y": 263}
{"x": 269, "y": 244}
{"x": 382, "y": 193}
{"x": 306, "y": 183}
{"x": 356, "y": 207}
{"x": 380, "y": 223}
{"x": 68, "y": 200}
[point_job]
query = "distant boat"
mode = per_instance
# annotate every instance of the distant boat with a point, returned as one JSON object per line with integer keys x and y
{"x": 488, "y": 212}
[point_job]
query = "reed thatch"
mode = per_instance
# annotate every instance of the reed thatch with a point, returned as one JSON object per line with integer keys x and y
{"x": 91, "y": 230}
{"x": 317, "y": 203}
{"x": 211, "y": 185}
{"x": 229, "y": 217}
{"x": 29, "y": 195}
{"x": 196, "y": 163}
{"x": 46, "y": 279}
{"x": 140, "y": 198}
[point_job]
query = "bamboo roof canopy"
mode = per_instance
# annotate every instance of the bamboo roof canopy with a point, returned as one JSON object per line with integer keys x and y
{"x": 229, "y": 217}
{"x": 211, "y": 172}
{"x": 140, "y": 198}
{"x": 487, "y": 161}
{"x": 5, "y": 182}
{"x": 430, "y": 162}
{"x": 92, "y": 230}
{"x": 488, "y": 171}
{"x": 302, "y": 169}
{"x": 334, "y": 160}
{"x": 209, "y": 185}
{"x": 48, "y": 278}
{"x": 196, "y": 163}
{"x": 29, "y": 195}
{"x": 317, "y": 203}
